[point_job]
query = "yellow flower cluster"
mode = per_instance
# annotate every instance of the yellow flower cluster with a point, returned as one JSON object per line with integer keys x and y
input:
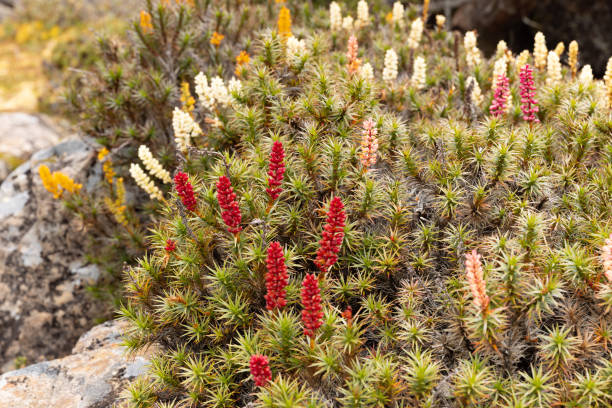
{"x": 187, "y": 99}
{"x": 216, "y": 39}
{"x": 117, "y": 207}
{"x": 389, "y": 18}
{"x": 146, "y": 23}
{"x": 57, "y": 182}
{"x": 242, "y": 59}
{"x": 107, "y": 166}
{"x": 284, "y": 22}
{"x": 425, "y": 10}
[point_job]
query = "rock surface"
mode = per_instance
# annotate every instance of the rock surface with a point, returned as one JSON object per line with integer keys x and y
{"x": 92, "y": 377}
{"x": 44, "y": 303}
{"x": 22, "y": 134}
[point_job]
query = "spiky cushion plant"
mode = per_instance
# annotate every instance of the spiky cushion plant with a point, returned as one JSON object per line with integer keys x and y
{"x": 126, "y": 102}
{"x": 460, "y": 268}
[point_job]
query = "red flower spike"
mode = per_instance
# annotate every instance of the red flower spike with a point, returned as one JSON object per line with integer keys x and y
{"x": 348, "y": 315}
{"x": 260, "y": 369}
{"x": 333, "y": 234}
{"x": 227, "y": 201}
{"x": 276, "y": 278}
{"x": 276, "y": 170}
{"x": 185, "y": 191}
{"x": 529, "y": 105}
{"x": 170, "y": 246}
{"x": 311, "y": 301}
{"x": 500, "y": 97}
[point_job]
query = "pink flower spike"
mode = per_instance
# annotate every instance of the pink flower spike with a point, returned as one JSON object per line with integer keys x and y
{"x": 474, "y": 275}
{"x": 606, "y": 257}
{"x": 500, "y": 97}
{"x": 369, "y": 144}
{"x": 351, "y": 55}
{"x": 529, "y": 105}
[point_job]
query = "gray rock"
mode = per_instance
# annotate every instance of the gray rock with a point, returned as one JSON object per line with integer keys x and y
{"x": 5, "y": 11}
{"x": 21, "y": 134}
{"x": 92, "y": 377}
{"x": 44, "y": 303}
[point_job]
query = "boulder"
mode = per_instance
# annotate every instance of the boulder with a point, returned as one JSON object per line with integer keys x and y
{"x": 22, "y": 134}
{"x": 44, "y": 274}
{"x": 92, "y": 377}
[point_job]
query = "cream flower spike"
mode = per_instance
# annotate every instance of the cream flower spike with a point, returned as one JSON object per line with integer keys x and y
{"x": 540, "y": 51}
{"x": 553, "y": 73}
{"x": 586, "y": 75}
{"x": 335, "y": 16}
{"x": 418, "y": 79}
{"x": 499, "y": 68}
{"x": 416, "y": 32}
{"x": 184, "y": 129}
{"x": 522, "y": 60}
{"x": 153, "y": 165}
{"x": 295, "y": 47}
{"x": 472, "y": 53}
{"x": 476, "y": 92}
{"x": 203, "y": 91}
{"x": 145, "y": 182}
{"x": 398, "y": 14}
{"x": 501, "y": 49}
{"x": 219, "y": 92}
{"x": 347, "y": 23}
{"x": 390, "y": 70}
{"x": 363, "y": 13}
{"x": 366, "y": 72}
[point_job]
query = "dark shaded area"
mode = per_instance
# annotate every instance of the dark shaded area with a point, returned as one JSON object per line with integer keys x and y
{"x": 517, "y": 21}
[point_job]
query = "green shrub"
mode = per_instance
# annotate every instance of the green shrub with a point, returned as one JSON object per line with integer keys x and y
{"x": 456, "y": 252}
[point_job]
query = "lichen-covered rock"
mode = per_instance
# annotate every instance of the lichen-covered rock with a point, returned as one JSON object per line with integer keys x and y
{"x": 22, "y": 134}
{"x": 44, "y": 304}
{"x": 92, "y": 377}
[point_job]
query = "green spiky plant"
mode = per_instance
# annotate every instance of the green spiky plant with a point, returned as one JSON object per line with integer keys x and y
{"x": 467, "y": 243}
{"x": 124, "y": 98}
{"x": 123, "y": 95}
